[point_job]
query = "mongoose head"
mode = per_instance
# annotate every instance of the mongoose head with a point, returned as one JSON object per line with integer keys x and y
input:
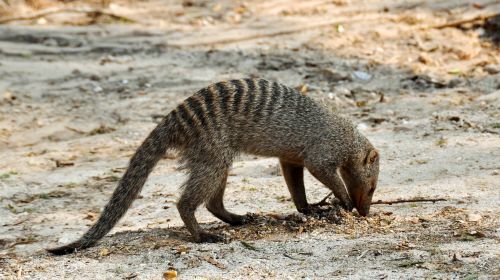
{"x": 360, "y": 175}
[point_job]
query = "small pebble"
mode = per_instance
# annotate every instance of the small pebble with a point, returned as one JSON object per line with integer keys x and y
{"x": 492, "y": 68}
{"x": 474, "y": 217}
{"x": 97, "y": 89}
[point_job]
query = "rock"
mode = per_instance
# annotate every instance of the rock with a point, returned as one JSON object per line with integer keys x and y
{"x": 50, "y": 42}
{"x": 424, "y": 58}
{"x": 474, "y": 217}
{"x": 362, "y": 75}
{"x": 170, "y": 274}
{"x": 94, "y": 77}
{"x": 41, "y": 21}
{"x": 362, "y": 126}
{"x": 8, "y": 96}
{"x": 333, "y": 76}
{"x": 104, "y": 252}
{"x": 415, "y": 220}
{"x": 490, "y": 97}
{"x": 97, "y": 89}
{"x": 492, "y": 68}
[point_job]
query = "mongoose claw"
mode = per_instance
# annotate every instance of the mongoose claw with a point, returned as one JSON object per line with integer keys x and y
{"x": 239, "y": 220}
{"x": 206, "y": 237}
{"x": 309, "y": 209}
{"x": 319, "y": 207}
{"x": 63, "y": 250}
{"x": 346, "y": 204}
{"x": 249, "y": 217}
{"x": 312, "y": 209}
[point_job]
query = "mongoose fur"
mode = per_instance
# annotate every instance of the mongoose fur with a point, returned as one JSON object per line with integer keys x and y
{"x": 253, "y": 116}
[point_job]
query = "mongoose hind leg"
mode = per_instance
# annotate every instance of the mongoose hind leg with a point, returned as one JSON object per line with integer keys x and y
{"x": 187, "y": 205}
{"x": 216, "y": 206}
{"x": 294, "y": 178}
{"x": 203, "y": 183}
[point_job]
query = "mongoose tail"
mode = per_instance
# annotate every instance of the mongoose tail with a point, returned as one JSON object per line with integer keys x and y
{"x": 141, "y": 164}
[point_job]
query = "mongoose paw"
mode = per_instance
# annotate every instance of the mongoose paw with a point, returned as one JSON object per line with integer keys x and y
{"x": 307, "y": 210}
{"x": 206, "y": 237}
{"x": 63, "y": 250}
{"x": 349, "y": 206}
{"x": 312, "y": 209}
{"x": 250, "y": 217}
{"x": 243, "y": 219}
{"x": 346, "y": 204}
{"x": 316, "y": 208}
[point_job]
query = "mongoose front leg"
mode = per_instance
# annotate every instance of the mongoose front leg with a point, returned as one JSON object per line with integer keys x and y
{"x": 294, "y": 178}
{"x": 332, "y": 180}
{"x": 216, "y": 206}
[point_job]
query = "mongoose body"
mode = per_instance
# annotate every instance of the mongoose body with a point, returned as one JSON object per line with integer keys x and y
{"x": 253, "y": 116}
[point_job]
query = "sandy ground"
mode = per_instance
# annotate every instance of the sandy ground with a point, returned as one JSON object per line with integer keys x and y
{"x": 77, "y": 99}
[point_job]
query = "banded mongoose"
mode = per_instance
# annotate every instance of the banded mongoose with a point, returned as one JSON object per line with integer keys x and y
{"x": 254, "y": 116}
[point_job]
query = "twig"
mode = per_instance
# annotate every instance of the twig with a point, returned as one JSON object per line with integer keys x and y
{"x": 291, "y": 257}
{"x": 417, "y": 199}
{"x": 433, "y": 200}
{"x": 75, "y": 130}
{"x": 362, "y": 254}
{"x": 213, "y": 262}
{"x": 248, "y": 246}
{"x": 51, "y": 11}
{"x": 463, "y": 21}
{"x": 489, "y": 131}
{"x": 21, "y": 241}
{"x": 18, "y": 222}
{"x": 410, "y": 263}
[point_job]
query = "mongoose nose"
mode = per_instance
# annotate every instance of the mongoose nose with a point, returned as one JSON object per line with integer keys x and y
{"x": 363, "y": 210}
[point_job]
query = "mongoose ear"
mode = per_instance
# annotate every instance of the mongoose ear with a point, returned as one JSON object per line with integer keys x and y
{"x": 372, "y": 157}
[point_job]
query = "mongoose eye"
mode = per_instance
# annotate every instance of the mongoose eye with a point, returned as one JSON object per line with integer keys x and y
{"x": 372, "y": 157}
